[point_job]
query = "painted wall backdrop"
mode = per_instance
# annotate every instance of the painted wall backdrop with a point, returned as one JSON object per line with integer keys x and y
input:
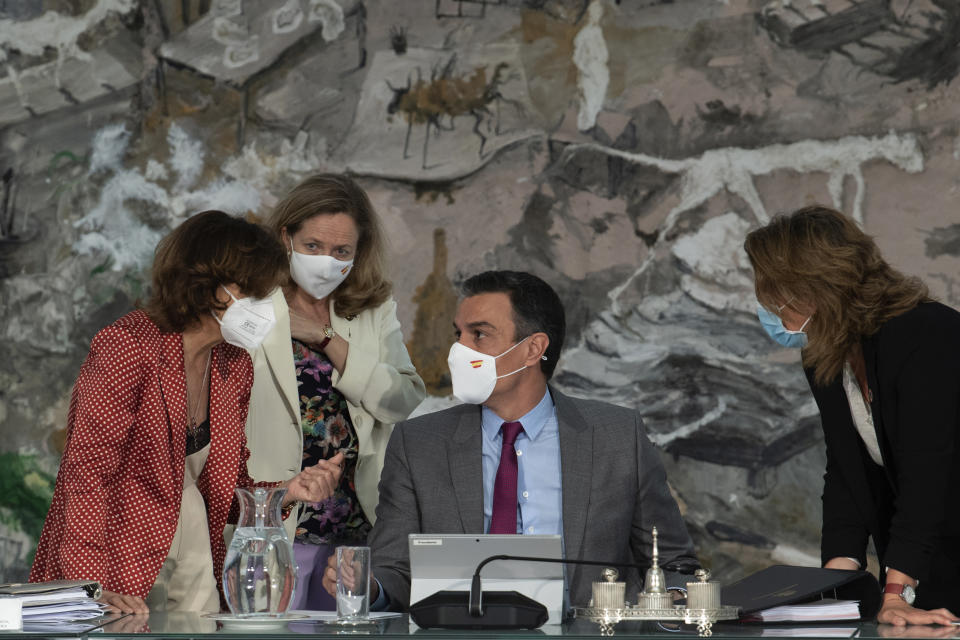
{"x": 620, "y": 149}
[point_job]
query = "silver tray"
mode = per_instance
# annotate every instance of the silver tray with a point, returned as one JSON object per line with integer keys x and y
{"x": 703, "y": 618}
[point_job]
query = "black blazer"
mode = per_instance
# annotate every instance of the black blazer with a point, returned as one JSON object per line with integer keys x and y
{"x": 911, "y": 505}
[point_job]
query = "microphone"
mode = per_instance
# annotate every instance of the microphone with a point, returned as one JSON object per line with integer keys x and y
{"x": 502, "y": 609}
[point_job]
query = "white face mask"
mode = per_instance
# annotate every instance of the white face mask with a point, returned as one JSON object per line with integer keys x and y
{"x": 474, "y": 374}
{"x": 247, "y": 321}
{"x": 318, "y": 275}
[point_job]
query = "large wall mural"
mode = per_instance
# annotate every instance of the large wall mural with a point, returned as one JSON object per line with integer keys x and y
{"x": 621, "y": 149}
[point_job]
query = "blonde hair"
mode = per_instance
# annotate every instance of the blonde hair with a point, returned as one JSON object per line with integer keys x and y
{"x": 328, "y": 194}
{"x": 820, "y": 257}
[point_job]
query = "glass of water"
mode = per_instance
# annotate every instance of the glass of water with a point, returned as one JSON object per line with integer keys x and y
{"x": 353, "y": 583}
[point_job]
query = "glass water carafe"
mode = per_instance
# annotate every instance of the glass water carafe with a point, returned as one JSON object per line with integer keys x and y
{"x": 259, "y": 574}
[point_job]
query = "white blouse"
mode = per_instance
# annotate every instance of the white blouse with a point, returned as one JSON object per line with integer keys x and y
{"x": 860, "y": 411}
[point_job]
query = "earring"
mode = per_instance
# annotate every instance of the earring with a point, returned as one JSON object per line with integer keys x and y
{"x": 543, "y": 357}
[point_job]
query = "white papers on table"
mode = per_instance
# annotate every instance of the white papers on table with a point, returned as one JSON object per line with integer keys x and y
{"x": 57, "y": 605}
{"x": 810, "y": 632}
{"x": 53, "y": 597}
{"x": 818, "y": 611}
{"x": 64, "y": 611}
{"x": 59, "y": 627}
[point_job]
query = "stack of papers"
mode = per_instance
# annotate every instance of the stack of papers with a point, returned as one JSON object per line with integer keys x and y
{"x": 825, "y": 610}
{"x": 56, "y": 601}
{"x": 810, "y": 632}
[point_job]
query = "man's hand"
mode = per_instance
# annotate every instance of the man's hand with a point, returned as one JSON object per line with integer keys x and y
{"x": 330, "y": 579}
{"x": 121, "y": 603}
{"x": 897, "y": 612}
{"x": 316, "y": 483}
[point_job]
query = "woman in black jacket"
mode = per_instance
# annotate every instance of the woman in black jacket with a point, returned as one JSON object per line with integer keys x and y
{"x": 883, "y": 362}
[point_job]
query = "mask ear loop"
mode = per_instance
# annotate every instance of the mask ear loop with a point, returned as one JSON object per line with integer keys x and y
{"x": 780, "y": 308}
{"x": 219, "y": 321}
{"x": 510, "y": 349}
{"x": 228, "y": 293}
{"x": 507, "y": 375}
{"x": 805, "y": 322}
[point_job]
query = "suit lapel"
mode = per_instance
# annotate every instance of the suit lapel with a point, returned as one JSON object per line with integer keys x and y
{"x": 851, "y": 451}
{"x": 576, "y": 468}
{"x": 173, "y": 388}
{"x": 340, "y": 325}
{"x": 219, "y": 374}
{"x": 278, "y": 353}
{"x": 466, "y": 469}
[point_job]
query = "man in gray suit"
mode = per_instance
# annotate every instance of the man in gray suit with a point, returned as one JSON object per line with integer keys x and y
{"x": 521, "y": 457}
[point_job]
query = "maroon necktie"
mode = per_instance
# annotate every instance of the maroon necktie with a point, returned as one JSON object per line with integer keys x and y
{"x": 504, "y": 517}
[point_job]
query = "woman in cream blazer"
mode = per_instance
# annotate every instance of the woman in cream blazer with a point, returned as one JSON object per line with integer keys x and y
{"x": 334, "y": 374}
{"x": 381, "y": 386}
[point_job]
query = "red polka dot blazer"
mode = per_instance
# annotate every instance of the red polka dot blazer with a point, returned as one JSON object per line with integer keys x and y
{"x": 117, "y": 498}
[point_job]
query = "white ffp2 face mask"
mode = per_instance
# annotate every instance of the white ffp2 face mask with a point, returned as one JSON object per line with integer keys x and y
{"x": 247, "y": 321}
{"x": 474, "y": 374}
{"x": 318, "y": 275}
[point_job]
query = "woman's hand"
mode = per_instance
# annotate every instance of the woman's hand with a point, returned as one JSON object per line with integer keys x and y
{"x": 897, "y": 612}
{"x": 122, "y": 603}
{"x": 138, "y": 623}
{"x": 315, "y": 483}
{"x": 841, "y": 563}
{"x": 915, "y": 631}
{"x": 306, "y": 329}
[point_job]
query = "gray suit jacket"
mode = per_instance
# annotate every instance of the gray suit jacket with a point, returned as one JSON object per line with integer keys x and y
{"x": 614, "y": 493}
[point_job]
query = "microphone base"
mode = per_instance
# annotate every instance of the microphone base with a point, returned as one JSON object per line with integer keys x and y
{"x": 501, "y": 610}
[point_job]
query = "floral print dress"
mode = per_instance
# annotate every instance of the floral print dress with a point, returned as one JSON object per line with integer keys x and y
{"x": 327, "y": 430}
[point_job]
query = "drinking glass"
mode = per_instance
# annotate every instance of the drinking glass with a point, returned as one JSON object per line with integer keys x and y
{"x": 353, "y": 583}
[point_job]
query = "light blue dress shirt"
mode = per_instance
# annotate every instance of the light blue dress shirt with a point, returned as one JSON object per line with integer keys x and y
{"x": 539, "y": 493}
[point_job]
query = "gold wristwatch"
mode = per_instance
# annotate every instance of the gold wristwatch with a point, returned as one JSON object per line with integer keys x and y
{"x": 328, "y": 333}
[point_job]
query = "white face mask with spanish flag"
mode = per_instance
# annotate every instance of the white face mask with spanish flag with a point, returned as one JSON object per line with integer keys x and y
{"x": 474, "y": 374}
{"x": 318, "y": 275}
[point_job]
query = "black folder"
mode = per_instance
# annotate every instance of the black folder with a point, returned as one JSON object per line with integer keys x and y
{"x": 782, "y": 584}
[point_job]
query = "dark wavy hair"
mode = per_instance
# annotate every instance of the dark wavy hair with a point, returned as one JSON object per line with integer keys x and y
{"x": 536, "y": 308}
{"x": 206, "y": 251}
{"x": 822, "y": 259}
{"x": 366, "y": 285}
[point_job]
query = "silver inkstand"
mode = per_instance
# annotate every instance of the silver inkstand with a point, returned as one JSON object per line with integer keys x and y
{"x": 608, "y": 605}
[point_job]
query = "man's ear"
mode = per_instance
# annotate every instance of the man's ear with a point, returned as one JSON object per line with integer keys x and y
{"x": 536, "y": 348}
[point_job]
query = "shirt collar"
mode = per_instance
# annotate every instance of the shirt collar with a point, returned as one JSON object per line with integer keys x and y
{"x": 532, "y": 421}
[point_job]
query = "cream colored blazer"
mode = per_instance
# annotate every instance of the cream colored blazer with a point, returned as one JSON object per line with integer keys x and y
{"x": 379, "y": 382}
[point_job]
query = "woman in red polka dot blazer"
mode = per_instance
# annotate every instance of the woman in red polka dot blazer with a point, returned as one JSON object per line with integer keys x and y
{"x": 155, "y": 433}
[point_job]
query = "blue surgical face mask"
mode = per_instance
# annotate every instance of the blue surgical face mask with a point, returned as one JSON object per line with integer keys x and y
{"x": 773, "y": 325}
